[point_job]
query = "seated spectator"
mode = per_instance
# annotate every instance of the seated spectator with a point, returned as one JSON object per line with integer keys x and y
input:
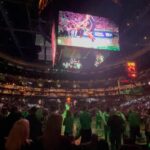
{"x": 18, "y": 136}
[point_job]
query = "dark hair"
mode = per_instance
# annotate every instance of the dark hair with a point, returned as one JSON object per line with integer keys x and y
{"x": 14, "y": 109}
{"x": 33, "y": 110}
{"x": 52, "y": 131}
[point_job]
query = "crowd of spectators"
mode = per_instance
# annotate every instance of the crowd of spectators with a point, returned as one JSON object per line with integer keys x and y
{"x": 53, "y": 124}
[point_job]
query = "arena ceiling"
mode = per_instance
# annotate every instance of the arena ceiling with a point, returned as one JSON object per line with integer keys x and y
{"x": 23, "y": 27}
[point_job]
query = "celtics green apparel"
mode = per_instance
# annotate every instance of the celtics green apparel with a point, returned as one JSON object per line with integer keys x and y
{"x": 134, "y": 119}
{"x": 68, "y": 123}
{"x": 85, "y": 120}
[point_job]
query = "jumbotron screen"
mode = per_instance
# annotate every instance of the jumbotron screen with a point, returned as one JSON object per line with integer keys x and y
{"x": 83, "y": 30}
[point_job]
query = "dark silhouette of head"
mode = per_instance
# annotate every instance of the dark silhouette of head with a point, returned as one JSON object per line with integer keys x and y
{"x": 52, "y": 131}
{"x": 14, "y": 109}
{"x": 33, "y": 110}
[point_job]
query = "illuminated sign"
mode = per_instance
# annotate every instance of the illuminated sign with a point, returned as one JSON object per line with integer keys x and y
{"x": 131, "y": 69}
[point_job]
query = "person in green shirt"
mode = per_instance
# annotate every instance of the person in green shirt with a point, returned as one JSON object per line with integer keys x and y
{"x": 106, "y": 128}
{"x": 85, "y": 122}
{"x": 101, "y": 123}
{"x": 134, "y": 125}
{"x": 98, "y": 119}
{"x": 68, "y": 123}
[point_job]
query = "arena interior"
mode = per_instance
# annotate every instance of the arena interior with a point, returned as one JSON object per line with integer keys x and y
{"x": 74, "y": 74}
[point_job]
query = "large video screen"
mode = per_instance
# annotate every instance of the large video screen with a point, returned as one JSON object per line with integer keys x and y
{"x": 83, "y": 30}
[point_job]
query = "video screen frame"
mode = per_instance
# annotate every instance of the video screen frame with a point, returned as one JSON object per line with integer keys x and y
{"x": 87, "y": 33}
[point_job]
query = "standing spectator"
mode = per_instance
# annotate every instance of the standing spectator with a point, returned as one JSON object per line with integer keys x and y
{"x": 116, "y": 125}
{"x": 98, "y": 119}
{"x": 147, "y": 129}
{"x": 45, "y": 119}
{"x": 106, "y": 129}
{"x": 85, "y": 121}
{"x": 134, "y": 125}
{"x": 35, "y": 124}
{"x": 68, "y": 123}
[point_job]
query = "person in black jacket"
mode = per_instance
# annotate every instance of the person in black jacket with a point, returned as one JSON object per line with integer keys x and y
{"x": 35, "y": 124}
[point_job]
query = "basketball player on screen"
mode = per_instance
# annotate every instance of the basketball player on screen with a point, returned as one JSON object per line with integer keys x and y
{"x": 87, "y": 26}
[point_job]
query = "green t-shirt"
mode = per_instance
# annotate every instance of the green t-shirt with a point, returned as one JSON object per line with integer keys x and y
{"x": 85, "y": 120}
{"x": 68, "y": 123}
{"x": 134, "y": 119}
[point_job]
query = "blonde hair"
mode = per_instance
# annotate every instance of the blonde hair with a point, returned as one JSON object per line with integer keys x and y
{"x": 18, "y": 135}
